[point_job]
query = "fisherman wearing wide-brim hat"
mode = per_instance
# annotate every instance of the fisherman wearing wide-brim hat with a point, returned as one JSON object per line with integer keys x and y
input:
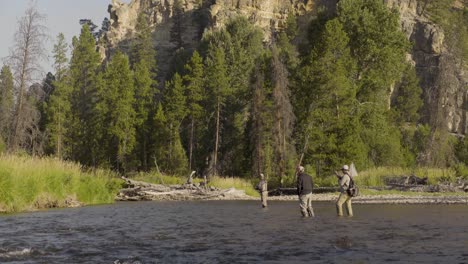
{"x": 344, "y": 181}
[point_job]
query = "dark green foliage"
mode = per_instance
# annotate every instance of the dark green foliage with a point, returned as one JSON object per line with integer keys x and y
{"x": 195, "y": 95}
{"x": 378, "y": 45}
{"x": 118, "y": 98}
{"x": 6, "y": 103}
{"x": 57, "y": 107}
{"x": 177, "y": 28}
{"x": 143, "y": 62}
{"x": 240, "y": 44}
{"x": 461, "y": 150}
{"x": 271, "y": 119}
{"x": 86, "y": 126}
{"x": 143, "y": 46}
{"x": 332, "y": 123}
{"x": 407, "y": 99}
{"x": 242, "y": 107}
{"x": 175, "y": 111}
{"x": 217, "y": 85}
{"x": 261, "y": 121}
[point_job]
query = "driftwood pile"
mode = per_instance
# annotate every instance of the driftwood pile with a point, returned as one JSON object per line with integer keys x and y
{"x": 143, "y": 191}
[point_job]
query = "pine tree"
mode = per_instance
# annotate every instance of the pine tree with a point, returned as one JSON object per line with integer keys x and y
{"x": 378, "y": 45}
{"x": 194, "y": 94}
{"x": 60, "y": 57}
{"x": 258, "y": 115}
{"x": 407, "y": 99}
{"x": 177, "y": 29}
{"x": 86, "y": 124}
{"x": 283, "y": 114}
{"x": 118, "y": 97}
{"x": 58, "y": 109}
{"x": 242, "y": 45}
{"x": 331, "y": 124}
{"x": 144, "y": 65}
{"x": 161, "y": 134}
{"x": 176, "y": 111}
{"x": 217, "y": 84}
{"x": 6, "y": 103}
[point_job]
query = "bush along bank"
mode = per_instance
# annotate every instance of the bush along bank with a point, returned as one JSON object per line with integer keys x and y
{"x": 30, "y": 183}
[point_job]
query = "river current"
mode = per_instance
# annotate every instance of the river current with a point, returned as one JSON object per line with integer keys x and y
{"x": 236, "y": 232}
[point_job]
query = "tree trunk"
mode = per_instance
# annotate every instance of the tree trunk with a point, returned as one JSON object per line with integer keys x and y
{"x": 215, "y": 171}
{"x": 144, "y": 154}
{"x": 59, "y": 139}
{"x": 191, "y": 143}
{"x": 19, "y": 110}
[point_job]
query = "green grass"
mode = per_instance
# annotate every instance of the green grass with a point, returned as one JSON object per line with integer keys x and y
{"x": 238, "y": 183}
{"x": 157, "y": 178}
{"x": 218, "y": 182}
{"x": 376, "y": 176}
{"x": 409, "y": 193}
{"x": 28, "y": 183}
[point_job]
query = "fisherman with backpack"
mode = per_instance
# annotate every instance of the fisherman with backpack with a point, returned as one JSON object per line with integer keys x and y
{"x": 347, "y": 189}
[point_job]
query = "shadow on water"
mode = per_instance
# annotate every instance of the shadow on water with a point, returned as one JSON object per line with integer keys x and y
{"x": 236, "y": 232}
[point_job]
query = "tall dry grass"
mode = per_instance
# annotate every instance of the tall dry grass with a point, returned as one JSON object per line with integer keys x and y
{"x": 28, "y": 183}
{"x": 377, "y": 176}
{"x": 218, "y": 182}
{"x": 232, "y": 182}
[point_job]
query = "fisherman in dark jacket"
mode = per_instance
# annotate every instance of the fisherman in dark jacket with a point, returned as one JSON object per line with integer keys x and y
{"x": 304, "y": 191}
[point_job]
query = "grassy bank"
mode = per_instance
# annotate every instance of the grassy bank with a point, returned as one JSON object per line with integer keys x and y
{"x": 28, "y": 183}
{"x": 377, "y": 176}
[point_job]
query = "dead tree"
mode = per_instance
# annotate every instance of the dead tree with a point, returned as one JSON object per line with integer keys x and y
{"x": 25, "y": 57}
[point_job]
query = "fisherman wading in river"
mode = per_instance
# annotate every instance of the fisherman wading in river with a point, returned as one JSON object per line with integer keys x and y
{"x": 344, "y": 182}
{"x": 262, "y": 187}
{"x": 304, "y": 191}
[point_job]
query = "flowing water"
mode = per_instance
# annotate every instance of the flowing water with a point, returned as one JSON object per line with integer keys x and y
{"x": 236, "y": 232}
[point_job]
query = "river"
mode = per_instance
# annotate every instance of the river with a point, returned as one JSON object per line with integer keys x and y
{"x": 236, "y": 232}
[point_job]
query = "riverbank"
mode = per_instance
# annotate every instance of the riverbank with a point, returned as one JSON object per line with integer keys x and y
{"x": 143, "y": 191}
{"x": 377, "y": 198}
{"x": 425, "y": 198}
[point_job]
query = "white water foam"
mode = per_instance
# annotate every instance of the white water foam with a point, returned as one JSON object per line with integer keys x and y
{"x": 16, "y": 253}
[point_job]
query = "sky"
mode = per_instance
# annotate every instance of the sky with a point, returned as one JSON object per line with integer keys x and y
{"x": 61, "y": 16}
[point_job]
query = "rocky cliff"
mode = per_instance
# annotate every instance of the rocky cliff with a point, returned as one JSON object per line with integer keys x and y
{"x": 442, "y": 77}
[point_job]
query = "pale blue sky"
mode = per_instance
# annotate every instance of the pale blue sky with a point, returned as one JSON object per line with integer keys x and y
{"x": 62, "y": 16}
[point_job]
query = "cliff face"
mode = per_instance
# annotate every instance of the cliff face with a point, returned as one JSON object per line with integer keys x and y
{"x": 441, "y": 75}
{"x": 270, "y": 15}
{"x": 442, "y": 78}
{"x": 180, "y": 29}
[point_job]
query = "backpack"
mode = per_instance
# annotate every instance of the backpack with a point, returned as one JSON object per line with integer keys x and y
{"x": 259, "y": 186}
{"x": 353, "y": 190}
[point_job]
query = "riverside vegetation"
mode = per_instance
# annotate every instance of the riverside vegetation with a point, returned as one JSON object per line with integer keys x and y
{"x": 28, "y": 183}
